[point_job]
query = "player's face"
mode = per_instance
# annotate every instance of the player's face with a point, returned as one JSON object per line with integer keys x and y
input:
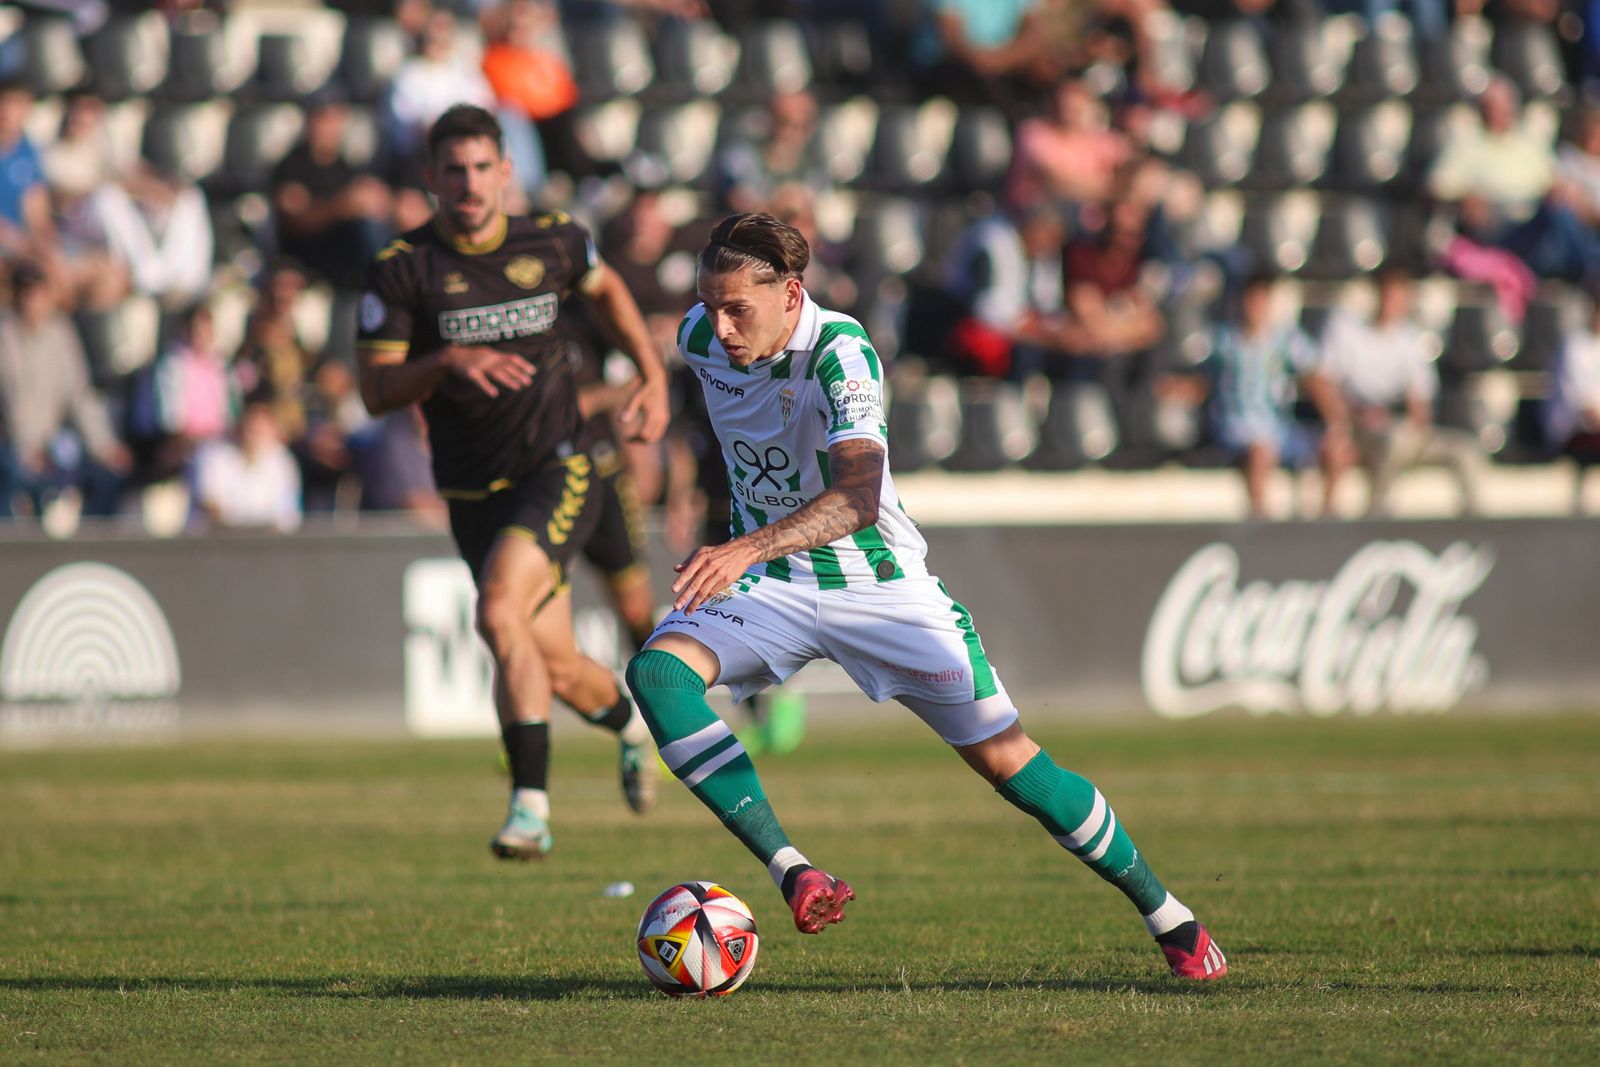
{"x": 751, "y": 319}
{"x": 469, "y": 177}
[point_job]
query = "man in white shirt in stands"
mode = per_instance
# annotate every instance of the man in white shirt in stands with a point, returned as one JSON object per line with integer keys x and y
{"x": 1384, "y": 369}
{"x": 1572, "y": 411}
{"x": 254, "y": 484}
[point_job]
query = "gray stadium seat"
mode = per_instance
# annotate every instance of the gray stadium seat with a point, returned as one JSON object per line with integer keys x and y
{"x": 1456, "y": 65}
{"x": 1295, "y": 147}
{"x": 995, "y": 429}
{"x": 373, "y": 50}
{"x": 1370, "y": 148}
{"x": 980, "y": 150}
{"x": 694, "y": 58}
{"x": 1529, "y": 53}
{"x": 1430, "y": 129}
{"x": 1220, "y": 149}
{"x": 1279, "y": 230}
{"x": 128, "y": 56}
{"x": 911, "y": 146}
{"x": 677, "y": 141}
{"x": 924, "y": 420}
{"x": 259, "y": 136}
{"x": 842, "y": 55}
{"x": 773, "y": 58}
{"x": 210, "y": 57}
{"x": 1175, "y": 46}
{"x": 1310, "y": 57}
{"x": 611, "y": 59}
{"x": 845, "y": 134}
{"x": 288, "y": 66}
{"x": 1480, "y": 338}
{"x": 1351, "y": 240}
{"x": 1234, "y": 62}
{"x": 1078, "y": 428}
{"x": 54, "y": 61}
{"x": 1384, "y": 60}
{"x": 887, "y": 240}
{"x": 1554, "y": 313}
{"x": 187, "y": 139}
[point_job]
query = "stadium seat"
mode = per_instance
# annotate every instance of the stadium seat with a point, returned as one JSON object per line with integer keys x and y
{"x": 119, "y": 341}
{"x": 373, "y": 50}
{"x": 1370, "y": 147}
{"x": 1456, "y": 65}
{"x": 1554, "y": 313}
{"x": 773, "y": 59}
{"x": 128, "y": 56}
{"x": 211, "y": 57}
{"x": 1279, "y": 230}
{"x": 675, "y": 142}
{"x": 607, "y": 132}
{"x": 611, "y": 58}
{"x": 845, "y": 133}
{"x": 187, "y": 139}
{"x": 1234, "y": 62}
{"x": 980, "y": 150}
{"x": 694, "y": 58}
{"x": 259, "y": 136}
{"x": 1078, "y": 428}
{"x": 1431, "y": 129}
{"x": 1383, "y": 61}
{"x": 995, "y": 429}
{"x": 1295, "y": 147}
{"x": 1480, "y": 338}
{"x": 295, "y": 61}
{"x": 924, "y": 419}
{"x": 1529, "y": 53}
{"x": 842, "y": 56}
{"x": 1175, "y": 44}
{"x": 887, "y": 240}
{"x": 1310, "y": 57}
{"x": 911, "y": 145}
{"x": 1220, "y": 148}
{"x": 1352, "y": 239}
{"x": 54, "y": 60}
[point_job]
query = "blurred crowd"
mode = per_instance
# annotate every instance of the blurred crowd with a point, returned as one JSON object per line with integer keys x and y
{"x": 175, "y": 347}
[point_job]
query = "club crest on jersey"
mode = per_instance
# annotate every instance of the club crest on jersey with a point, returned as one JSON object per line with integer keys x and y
{"x": 455, "y": 282}
{"x": 718, "y": 598}
{"x": 786, "y": 401}
{"x": 525, "y": 272}
{"x": 372, "y": 311}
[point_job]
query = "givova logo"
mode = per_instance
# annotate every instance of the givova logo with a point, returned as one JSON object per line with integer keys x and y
{"x": 88, "y": 648}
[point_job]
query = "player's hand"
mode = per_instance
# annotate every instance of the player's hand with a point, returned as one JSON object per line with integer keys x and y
{"x": 488, "y": 368}
{"x": 645, "y": 414}
{"x": 707, "y": 572}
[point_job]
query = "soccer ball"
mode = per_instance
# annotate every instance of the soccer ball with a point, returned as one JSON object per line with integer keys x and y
{"x": 697, "y": 940}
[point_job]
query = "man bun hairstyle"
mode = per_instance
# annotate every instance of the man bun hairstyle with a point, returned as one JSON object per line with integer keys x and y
{"x": 463, "y": 122}
{"x": 757, "y": 242}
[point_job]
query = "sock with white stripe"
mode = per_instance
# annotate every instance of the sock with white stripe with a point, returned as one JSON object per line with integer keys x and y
{"x": 704, "y": 754}
{"x": 1077, "y": 816}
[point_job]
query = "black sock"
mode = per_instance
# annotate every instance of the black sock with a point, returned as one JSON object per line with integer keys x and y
{"x": 615, "y": 717}
{"x": 528, "y": 752}
{"x": 1185, "y": 936}
{"x": 789, "y": 878}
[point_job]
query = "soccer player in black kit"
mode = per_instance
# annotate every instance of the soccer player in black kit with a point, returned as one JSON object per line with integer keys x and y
{"x": 458, "y": 315}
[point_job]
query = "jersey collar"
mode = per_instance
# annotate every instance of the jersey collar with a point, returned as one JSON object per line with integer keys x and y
{"x": 488, "y": 244}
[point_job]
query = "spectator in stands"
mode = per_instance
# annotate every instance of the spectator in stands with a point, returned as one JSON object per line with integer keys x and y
{"x": 1254, "y": 367}
{"x": 991, "y": 51}
{"x": 185, "y": 400}
{"x": 1500, "y": 175}
{"x": 795, "y": 204}
{"x": 1385, "y": 373}
{"x": 273, "y": 359}
{"x": 79, "y": 162}
{"x": 331, "y": 217}
{"x": 60, "y": 435}
{"x": 158, "y": 224}
{"x": 333, "y": 414}
{"x": 1005, "y": 274}
{"x": 529, "y": 68}
{"x": 1572, "y": 409}
{"x": 1072, "y": 153}
{"x": 782, "y": 149}
{"x": 1578, "y": 167}
{"x": 254, "y": 483}
{"x": 391, "y": 459}
{"x": 25, "y": 227}
{"x": 641, "y": 244}
{"x": 439, "y": 75}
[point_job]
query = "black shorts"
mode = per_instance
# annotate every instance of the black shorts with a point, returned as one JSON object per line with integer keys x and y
{"x": 555, "y": 508}
{"x": 616, "y": 548}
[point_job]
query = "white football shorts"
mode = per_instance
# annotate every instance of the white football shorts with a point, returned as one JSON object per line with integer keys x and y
{"x": 906, "y": 639}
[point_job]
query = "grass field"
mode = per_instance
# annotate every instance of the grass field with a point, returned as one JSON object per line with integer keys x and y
{"x": 1398, "y": 891}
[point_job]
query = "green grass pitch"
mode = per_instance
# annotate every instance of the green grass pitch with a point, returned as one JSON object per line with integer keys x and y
{"x": 1419, "y": 890}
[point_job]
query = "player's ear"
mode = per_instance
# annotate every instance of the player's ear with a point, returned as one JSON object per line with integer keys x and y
{"x": 792, "y": 290}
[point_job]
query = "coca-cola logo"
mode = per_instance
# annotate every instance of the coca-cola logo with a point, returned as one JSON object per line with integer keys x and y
{"x": 1386, "y": 632}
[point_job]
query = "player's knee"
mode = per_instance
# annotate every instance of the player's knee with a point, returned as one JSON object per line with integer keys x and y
{"x": 501, "y": 619}
{"x": 566, "y": 677}
{"x": 655, "y": 671}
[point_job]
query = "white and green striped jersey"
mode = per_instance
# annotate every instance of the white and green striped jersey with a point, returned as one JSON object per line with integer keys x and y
{"x": 776, "y": 420}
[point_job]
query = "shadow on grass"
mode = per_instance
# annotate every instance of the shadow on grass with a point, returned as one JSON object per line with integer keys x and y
{"x": 479, "y": 987}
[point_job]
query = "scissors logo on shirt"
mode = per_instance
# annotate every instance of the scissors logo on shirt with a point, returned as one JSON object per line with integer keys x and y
{"x": 768, "y": 464}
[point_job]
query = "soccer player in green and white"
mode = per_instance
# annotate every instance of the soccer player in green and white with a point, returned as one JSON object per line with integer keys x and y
{"x": 825, "y": 564}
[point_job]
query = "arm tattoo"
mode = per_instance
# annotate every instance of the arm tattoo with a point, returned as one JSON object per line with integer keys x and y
{"x": 849, "y": 505}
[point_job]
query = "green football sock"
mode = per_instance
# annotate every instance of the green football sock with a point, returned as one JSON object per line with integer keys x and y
{"x": 702, "y": 752}
{"x": 1076, "y": 815}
